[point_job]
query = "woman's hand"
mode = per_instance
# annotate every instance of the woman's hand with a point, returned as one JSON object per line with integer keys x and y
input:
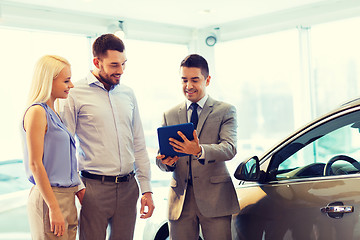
{"x": 57, "y": 221}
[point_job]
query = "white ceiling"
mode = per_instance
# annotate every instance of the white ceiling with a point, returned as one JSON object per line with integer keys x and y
{"x": 189, "y": 13}
{"x": 170, "y": 20}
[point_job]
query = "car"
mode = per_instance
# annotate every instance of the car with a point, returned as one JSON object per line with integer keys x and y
{"x": 14, "y": 190}
{"x": 305, "y": 187}
{"x": 156, "y": 227}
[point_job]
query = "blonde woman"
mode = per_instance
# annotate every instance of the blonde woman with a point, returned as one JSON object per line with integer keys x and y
{"x": 49, "y": 154}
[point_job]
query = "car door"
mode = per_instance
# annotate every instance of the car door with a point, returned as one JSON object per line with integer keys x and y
{"x": 307, "y": 188}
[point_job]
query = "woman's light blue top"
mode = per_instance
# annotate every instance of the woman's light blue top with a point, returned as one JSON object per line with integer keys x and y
{"x": 59, "y": 157}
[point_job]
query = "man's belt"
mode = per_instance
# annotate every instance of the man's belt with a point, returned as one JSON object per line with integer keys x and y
{"x": 103, "y": 178}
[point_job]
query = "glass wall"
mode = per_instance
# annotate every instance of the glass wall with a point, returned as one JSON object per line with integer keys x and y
{"x": 257, "y": 75}
{"x": 20, "y": 50}
{"x": 336, "y": 63}
{"x": 152, "y": 71}
{"x": 264, "y": 78}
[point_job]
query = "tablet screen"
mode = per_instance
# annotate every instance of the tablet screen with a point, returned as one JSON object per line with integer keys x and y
{"x": 164, "y": 133}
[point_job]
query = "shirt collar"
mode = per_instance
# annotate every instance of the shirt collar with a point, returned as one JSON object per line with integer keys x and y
{"x": 201, "y": 102}
{"x": 91, "y": 79}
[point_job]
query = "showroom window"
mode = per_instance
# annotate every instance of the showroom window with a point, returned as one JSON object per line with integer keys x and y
{"x": 260, "y": 75}
{"x": 336, "y": 63}
{"x": 257, "y": 75}
{"x": 20, "y": 50}
{"x": 152, "y": 71}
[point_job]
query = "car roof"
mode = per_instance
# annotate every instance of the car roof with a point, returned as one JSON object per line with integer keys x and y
{"x": 353, "y": 102}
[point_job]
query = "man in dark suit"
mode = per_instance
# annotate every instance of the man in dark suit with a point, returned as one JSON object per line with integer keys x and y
{"x": 201, "y": 191}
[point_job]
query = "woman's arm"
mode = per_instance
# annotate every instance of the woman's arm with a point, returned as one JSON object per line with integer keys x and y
{"x": 35, "y": 124}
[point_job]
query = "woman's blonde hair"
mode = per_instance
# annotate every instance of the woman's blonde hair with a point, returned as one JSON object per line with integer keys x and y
{"x": 46, "y": 70}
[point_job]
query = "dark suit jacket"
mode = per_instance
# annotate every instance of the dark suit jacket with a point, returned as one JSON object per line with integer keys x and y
{"x": 214, "y": 191}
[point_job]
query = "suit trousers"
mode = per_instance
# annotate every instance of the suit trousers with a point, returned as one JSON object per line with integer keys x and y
{"x": 187, "y": 226}
{"x": 108, "y": 204}
{"x": 38, "y": 212}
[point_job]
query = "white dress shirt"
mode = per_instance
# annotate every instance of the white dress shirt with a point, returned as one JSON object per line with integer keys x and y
{"x": 108, "y": 128}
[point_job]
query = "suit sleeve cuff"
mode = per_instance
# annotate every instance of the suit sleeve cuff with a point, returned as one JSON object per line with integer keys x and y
{"x": 201, "y": 155}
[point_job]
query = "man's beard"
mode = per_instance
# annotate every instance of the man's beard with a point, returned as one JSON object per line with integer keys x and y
{"x": 106, "y": 80}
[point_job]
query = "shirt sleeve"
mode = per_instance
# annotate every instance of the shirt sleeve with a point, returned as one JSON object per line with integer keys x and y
{"x": 142, "y": 162}
{"x": 68, "y": 113}
{"x": 81, "y": 186}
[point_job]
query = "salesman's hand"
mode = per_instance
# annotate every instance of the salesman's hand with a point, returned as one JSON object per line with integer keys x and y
{"x": 170, "y": 161}
{"x": 146, "y": 201}
{"x": 188, "y": 147}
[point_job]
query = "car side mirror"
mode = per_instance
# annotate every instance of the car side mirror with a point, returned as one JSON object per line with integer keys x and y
{"x": 248, "y": 170}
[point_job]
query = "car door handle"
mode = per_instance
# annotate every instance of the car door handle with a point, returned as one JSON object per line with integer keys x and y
{"x": 337, "y": 209}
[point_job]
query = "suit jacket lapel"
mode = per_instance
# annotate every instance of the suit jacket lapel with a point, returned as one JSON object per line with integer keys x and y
{"x": 183, "y": 113}
{"x": 208, "y": 107}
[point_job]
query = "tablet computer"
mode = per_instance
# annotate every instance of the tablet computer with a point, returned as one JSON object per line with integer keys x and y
{"x": 164, "y": 133}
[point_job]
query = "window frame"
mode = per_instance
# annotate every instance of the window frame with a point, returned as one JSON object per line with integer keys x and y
{"x": 268, "y": 161}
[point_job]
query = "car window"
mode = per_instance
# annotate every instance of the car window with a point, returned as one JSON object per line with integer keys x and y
{"x": 333, "y": 148}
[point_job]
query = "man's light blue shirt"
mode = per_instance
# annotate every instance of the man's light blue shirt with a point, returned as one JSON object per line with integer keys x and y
{"x": 108, "y": 128}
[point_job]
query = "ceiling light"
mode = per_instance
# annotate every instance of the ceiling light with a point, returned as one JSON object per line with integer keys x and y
{"x": 206, "y": 11}
{"x": 117, "y": 29}
{"x": 211, "y": 40}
